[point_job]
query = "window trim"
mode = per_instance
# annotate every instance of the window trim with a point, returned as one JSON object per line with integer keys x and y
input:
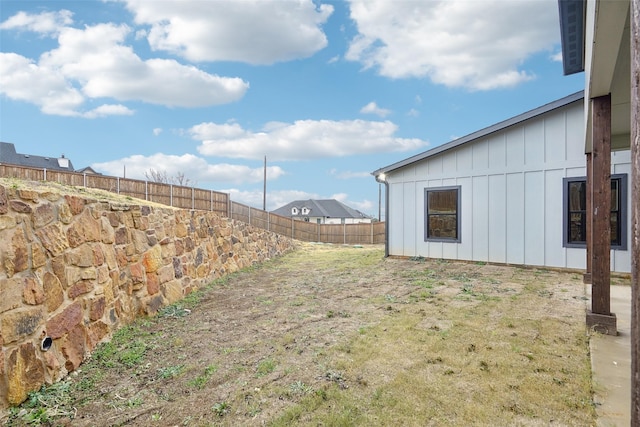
{"x": 623, "y": 208}
{"x": 458, "y": 238}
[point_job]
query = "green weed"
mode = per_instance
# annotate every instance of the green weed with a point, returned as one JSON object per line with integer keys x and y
{"x": 174, "y": 310}
{"x": 265, "y": 367}
{"x": 170, "y": 371}
{"x": 300, "y": 388}
{"x": 220, "y": 409}
{"x": 201, "y": 380}
{"x": 43, "y": 406}
{"x": 424, "y": 283}
{"x": 132, "y": 356}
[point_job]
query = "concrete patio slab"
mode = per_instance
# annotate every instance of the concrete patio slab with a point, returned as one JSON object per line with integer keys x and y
{"x": 611, "y": 363}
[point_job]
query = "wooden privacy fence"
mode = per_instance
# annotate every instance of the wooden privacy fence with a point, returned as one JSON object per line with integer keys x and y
{"x": 166, "y": 194}
{"x": 209, "y": 200}
{"x": 350, "y": 234}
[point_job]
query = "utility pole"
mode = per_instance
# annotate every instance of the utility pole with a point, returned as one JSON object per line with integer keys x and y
{"x": 264, "y": 190}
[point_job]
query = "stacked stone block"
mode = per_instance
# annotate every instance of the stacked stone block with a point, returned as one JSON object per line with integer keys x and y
{"x": 74, "y": 269}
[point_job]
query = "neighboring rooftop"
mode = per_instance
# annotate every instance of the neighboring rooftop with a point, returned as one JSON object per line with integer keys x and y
{"x": 328, "y": 208}
{"x": 8, "y": 155}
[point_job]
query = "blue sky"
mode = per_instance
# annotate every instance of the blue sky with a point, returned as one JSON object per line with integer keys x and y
{"x": 328, "y": 91}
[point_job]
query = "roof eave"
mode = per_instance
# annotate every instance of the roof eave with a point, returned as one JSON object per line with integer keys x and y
{"x": 572, "y": 17}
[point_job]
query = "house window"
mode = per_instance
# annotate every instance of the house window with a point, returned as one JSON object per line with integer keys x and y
{"x": 575, "y": 212}
{"x": 305, "y": 211}
{"x": 442, "y": 214}
{"x": 294, "y": 211}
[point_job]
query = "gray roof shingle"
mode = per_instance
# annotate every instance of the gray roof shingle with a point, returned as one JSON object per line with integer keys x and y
{"x": 9, "y": 155}
{"x": 327, "y": 208}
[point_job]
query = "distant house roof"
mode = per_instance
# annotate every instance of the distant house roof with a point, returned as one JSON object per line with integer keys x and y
{"x": 329, "y": 208}
{"x": 8, "y": 155}
{"x": 88, "y": 170}
{"x": 578, "y": 96}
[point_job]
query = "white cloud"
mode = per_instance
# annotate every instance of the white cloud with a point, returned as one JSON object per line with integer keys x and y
{"x": 157, "y": 131}
{"x": 349, "y": 174}
{"x": 341, "y": 197}
{"x": 108, "y": 110}
{"x": 24, "y": 80}
{"x": 97, "y": 57}
{"x": 302, "y": 140}
{"x": 363, "y": 206}
{"x": 251, "y": 31}
{"x": 479, "y": 45}
{"x": 195, "y": 168}
{"x": 372, "y": 108}
{"x": 48, "y": 23}
{"x": 557, "y": 57}
{"x": 216, "y": 131}
{"x": 95, "y": 62}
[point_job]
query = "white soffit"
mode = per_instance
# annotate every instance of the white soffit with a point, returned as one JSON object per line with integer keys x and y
{"x": 607, "y": 69}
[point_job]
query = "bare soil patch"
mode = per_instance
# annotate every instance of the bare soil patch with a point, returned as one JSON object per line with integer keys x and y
{"x": 339, "y": 335}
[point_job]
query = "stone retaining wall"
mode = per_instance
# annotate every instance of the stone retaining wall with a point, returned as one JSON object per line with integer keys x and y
{"x": 74, "y": 269}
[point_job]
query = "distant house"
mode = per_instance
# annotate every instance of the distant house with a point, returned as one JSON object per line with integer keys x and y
{"x": 512, "y": 193}
{"x": 8, "y": 155}
{"x": 88, "y": 170}
{"x": 328, "y": 211}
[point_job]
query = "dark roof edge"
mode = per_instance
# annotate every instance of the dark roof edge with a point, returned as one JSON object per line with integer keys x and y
{"x": 483, "y": 132}
{"x": 572, "y": 15}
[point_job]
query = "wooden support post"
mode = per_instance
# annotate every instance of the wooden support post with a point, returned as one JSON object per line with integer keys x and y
{"x": 600, "y": 317}
{"x": 635, "y": 212}
{"x": 587, "y": 275}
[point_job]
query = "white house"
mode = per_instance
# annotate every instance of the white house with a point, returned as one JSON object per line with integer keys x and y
{"x": 512, "y": 193}
{"x": 325, "y": 211}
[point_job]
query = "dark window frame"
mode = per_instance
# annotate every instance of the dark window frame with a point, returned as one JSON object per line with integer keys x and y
{"x": 621, "y": 215}
{"x": 458, "y": 214}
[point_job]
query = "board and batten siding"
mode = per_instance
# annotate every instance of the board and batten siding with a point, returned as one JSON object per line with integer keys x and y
{"x": 511, "y": 184}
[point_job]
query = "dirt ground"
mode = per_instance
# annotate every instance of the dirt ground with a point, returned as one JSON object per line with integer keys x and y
{"x": 258, "y": 342}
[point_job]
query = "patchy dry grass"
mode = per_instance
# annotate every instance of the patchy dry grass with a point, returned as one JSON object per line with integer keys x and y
{"x": 340, "y": 336}
{"x": 56, "y": 188}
